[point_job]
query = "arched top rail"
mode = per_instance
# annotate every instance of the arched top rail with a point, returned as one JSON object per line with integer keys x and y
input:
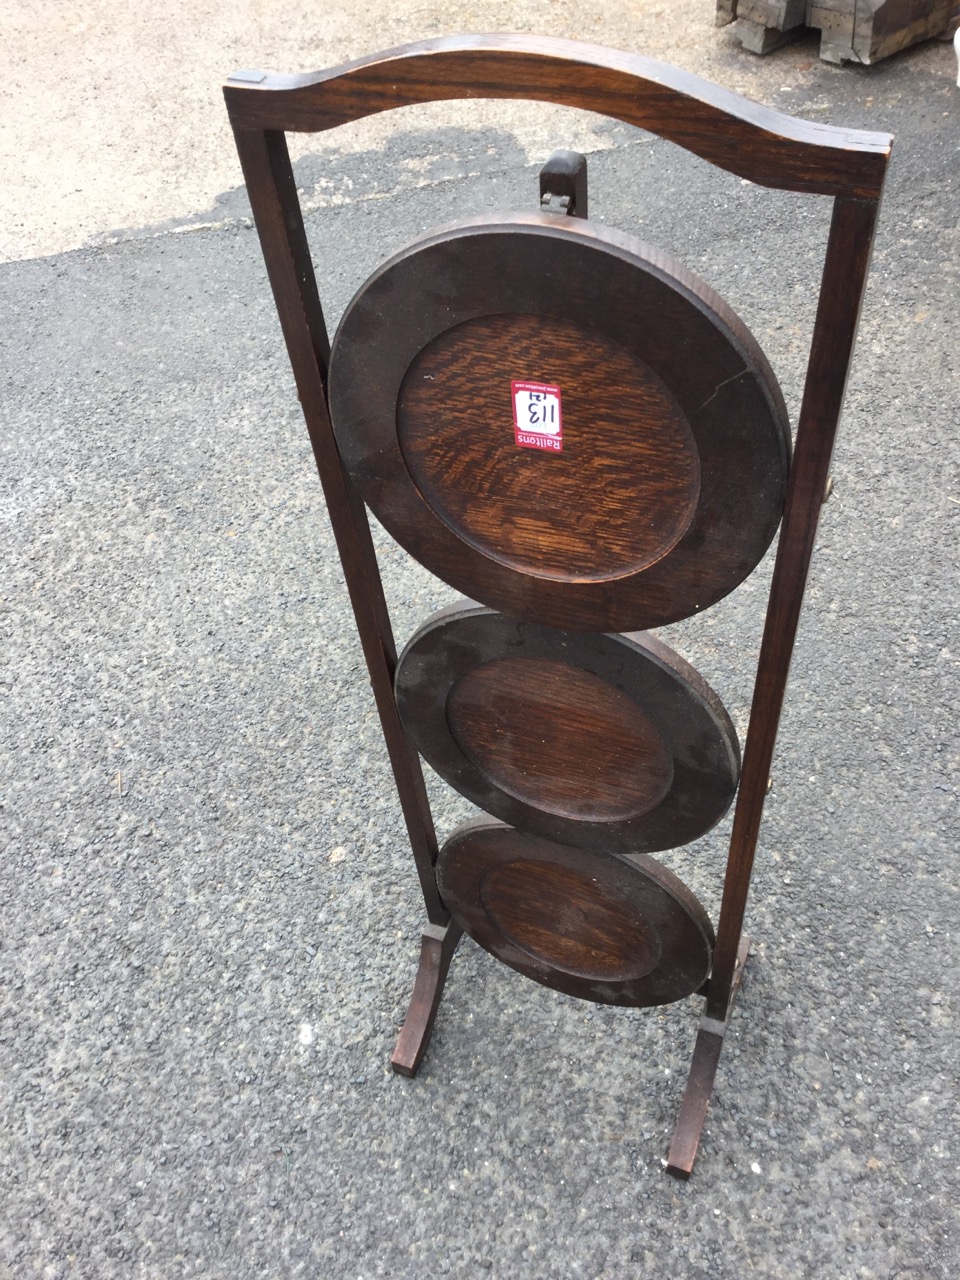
{"x": 755, "y": 142}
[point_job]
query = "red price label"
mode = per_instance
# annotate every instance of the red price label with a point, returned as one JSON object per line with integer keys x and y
{"x": 537, "y": 416}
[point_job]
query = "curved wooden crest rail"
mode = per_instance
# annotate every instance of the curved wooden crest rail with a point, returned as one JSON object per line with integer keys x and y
{"x": 757, "y": 143}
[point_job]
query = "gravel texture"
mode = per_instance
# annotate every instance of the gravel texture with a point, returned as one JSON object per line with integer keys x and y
{"x": 209, "y": 916}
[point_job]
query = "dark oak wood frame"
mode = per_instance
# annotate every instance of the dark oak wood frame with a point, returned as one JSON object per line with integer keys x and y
{"x": 755, "y": 142}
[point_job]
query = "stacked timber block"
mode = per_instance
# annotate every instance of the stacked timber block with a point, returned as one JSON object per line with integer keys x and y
{"x": 850, "y": 30}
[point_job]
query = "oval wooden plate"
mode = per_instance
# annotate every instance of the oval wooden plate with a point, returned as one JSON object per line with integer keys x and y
{"x": 609, "y": 929}
{"x": 561, "y": 422}
{"x": 608, "y": 742}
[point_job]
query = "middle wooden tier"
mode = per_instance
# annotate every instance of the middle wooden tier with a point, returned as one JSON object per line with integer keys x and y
{"x": 606, "y": 742}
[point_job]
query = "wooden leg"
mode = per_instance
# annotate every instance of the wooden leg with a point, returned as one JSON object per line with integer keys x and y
{"x": 756, "y": 37}
{"x": 703, "y": 1069}
{"x": 436, "y": 951}
{"x": 726, "y": 12}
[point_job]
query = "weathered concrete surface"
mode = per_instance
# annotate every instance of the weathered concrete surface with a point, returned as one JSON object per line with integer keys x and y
{"x": 111, "y": 115}
{"x": 208, "y": 917}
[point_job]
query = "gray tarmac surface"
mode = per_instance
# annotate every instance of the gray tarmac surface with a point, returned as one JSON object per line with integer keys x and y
{"x": 209, "y": 917}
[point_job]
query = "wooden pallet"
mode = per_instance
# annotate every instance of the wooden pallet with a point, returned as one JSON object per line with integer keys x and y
{"x": 850, "y": 30}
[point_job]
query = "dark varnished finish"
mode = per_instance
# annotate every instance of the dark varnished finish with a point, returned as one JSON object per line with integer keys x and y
{"x": 437, "y": 946}
{"x": 703, "y": 1070}
{"x": 676, "y": 443}
{"x": 621, "y": 931}
{"x": 841, "y": 295}
{"x": 619, "y": 496}
{"x": 272, "y": 193}
{"x": 838, "y": 313}
{"x": 753, "y": 141}
{"x": 273, "y": 197}
{"x": 607, "y": 742}
{"x": 560, "y": 738}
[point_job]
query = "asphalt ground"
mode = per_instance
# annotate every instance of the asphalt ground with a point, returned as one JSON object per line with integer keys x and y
{"x": 209, "y": 916}
{"x": 111, "y": 114}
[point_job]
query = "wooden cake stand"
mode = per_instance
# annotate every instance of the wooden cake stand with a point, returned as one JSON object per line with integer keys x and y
{"x": 577, "y": 433}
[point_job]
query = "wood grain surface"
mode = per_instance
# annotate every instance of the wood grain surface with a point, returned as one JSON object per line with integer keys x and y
{"x": 761, "y": 145}
{"x": 560, "y": 738}
{"x": 607, "y": 929}
{"x": 620, "y": 494}
{"x": 675, "y": 445}
{"x": 602, "y": 741}
{"x": 754, "y": 141}
{"x": 570, "y": 919}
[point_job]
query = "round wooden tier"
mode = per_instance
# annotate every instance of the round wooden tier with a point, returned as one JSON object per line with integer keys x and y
{"x": 658, "y": 483}
{"x": 615, "y": 930}
{"x": 607, "y": 742}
